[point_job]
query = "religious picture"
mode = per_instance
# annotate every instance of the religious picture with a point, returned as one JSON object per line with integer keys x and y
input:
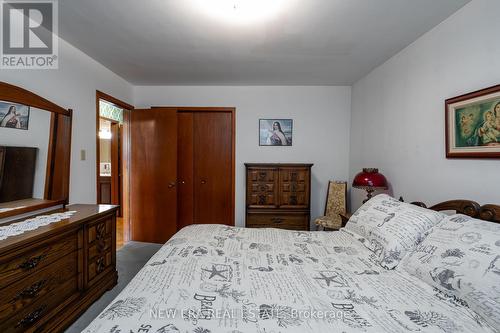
{"x": 473, "y": 124}
{"x": 275, "y": 132}
{"x": 13, "y": 115}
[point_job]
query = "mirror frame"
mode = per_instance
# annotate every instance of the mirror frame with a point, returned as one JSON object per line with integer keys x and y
{"x": 59, "y": 153}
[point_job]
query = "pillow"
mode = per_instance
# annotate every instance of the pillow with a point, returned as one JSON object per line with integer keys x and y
{"x": 461, "y": 257}
{"x": 391, "y": 228}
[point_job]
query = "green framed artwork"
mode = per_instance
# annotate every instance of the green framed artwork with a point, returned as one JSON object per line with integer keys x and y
{"x": 473, "y": 124}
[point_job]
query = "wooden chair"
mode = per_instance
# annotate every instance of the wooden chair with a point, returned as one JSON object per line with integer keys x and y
{"x": 336, "y": 204}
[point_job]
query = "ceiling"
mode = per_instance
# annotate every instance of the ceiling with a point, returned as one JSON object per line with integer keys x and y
{"x": 306, "y": 42}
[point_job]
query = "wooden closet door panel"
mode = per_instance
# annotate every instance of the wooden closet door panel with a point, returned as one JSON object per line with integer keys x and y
{"x": 185, "y": 165}
{"x": 153, "y": 174}
{"x": 213, "y": 167}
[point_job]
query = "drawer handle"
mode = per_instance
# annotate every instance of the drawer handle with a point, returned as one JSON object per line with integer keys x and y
{"x": 32, "y": 317}
{"x": 101, "y": 264}
{"x": 30, "y": 292}
{"x": 31, "y": 263}
{"x": 277, "y": 220}
{"x": 100, "y": 231}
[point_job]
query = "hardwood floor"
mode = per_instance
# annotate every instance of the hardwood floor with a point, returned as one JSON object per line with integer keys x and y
{"x": 119, "y": 233}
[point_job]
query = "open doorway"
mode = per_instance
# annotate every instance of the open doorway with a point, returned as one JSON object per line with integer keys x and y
{"x": 112, "y": 116}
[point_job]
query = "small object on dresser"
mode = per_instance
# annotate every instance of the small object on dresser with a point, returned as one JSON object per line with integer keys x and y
{"x": 370, "y": 180}
{"x": 336, "y": 204}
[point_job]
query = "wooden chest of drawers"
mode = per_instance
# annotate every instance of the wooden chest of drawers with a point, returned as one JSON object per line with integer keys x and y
{"x": 278, "y": 195}
{"x": 49, "y": 275}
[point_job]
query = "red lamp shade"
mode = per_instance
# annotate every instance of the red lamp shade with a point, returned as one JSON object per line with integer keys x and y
{"x": 370, "y": 180}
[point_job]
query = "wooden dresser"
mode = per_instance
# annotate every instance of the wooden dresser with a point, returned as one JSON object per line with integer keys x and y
{"x": 50, "y": 275}
{"x": 278, "y": 195}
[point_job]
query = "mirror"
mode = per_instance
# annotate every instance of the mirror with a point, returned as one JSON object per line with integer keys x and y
{"x": 35, "y": 145}
{"x": 24, "y": 146}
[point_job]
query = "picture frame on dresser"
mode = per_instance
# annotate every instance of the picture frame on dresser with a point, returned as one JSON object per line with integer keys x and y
{"x": 472, "y": 124}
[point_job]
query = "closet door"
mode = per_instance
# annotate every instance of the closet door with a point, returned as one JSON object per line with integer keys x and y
{"x": 185, "y": 169}
{"x": 153, "y": 174}
{"x": 212, "y": 137}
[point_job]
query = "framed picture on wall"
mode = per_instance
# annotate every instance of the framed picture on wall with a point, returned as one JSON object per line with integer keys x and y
{"x": 473, "y": 124}
{"x": 275, "y": 132}
{"x": 14, "y": 115}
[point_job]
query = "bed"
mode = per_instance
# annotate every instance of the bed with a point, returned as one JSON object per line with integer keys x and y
{"x": 217, "y": 278}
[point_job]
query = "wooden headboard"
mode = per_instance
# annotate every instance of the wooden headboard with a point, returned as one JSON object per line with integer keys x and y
{"x": 489, "y": 213}
{"x": 471, "y": 208}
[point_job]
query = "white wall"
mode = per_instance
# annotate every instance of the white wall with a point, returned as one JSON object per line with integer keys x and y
{"x": 37, "y": 136}
{"x": 321, "y": 118}
{"x": 73, "y": 86}
{"x": 398, "y": 110}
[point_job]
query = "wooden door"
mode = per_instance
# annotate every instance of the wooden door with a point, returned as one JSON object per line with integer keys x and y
{"x": 153, "y": 174}
{"x": 105, "y": 190}
{"x": 120, "y": 170}
{"x": 185, "y": 165}
{"x": 125, "y": 169}
{"x": 115, "y": 163}
{"x": 212, "y": 137}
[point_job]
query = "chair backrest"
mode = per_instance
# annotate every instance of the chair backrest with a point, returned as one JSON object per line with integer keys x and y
{"x": 336, "y": 199}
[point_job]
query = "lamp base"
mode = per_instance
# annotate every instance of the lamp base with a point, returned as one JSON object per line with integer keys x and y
{"x": 369, "y": 194}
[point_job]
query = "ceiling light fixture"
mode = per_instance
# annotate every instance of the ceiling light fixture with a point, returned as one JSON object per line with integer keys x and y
{"x": 241, "y": 11}
{"x": 105, "y": 134}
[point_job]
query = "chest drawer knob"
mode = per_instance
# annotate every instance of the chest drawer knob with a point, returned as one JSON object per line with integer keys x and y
{"x": 31, "y": 263}
{"x": 30, "y": 292}
{"x": 277, "y": 220}
{"x": 31, "y": 318}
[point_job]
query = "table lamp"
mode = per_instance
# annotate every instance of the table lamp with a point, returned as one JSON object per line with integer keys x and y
{"x": 370, "y": 180}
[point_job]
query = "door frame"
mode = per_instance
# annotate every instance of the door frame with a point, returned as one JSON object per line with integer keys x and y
{"x": 231, "y": 110}
{"x": 125, "y": 158}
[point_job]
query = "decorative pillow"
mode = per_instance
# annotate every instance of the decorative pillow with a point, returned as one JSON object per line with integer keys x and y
{"x": 391, "y": 228}
{"x": 461, "y": 257}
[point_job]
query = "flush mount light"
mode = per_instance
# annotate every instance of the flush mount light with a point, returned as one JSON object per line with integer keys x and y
{"x": 105, "y": 135}
{"x": 241, "y": 11}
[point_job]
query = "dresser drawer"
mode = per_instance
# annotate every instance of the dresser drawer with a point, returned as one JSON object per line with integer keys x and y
{"x": 32, "y": 261}
{"x": 292, "y": 221}
{"x": 42, "y": 310}
{"x": 294, "y": 188}
{"x": 100, "y": 248}
{"x": 23, "y": 294}
{"x": 262, "y": 187}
